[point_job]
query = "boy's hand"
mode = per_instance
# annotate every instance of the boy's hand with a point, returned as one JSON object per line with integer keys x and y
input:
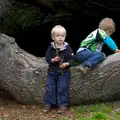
{"x": 64, "y": 65}
{"x": 56, "y": 59}
{"x": 117, "y": 50}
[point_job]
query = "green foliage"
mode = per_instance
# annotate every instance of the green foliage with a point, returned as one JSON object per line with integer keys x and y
{"x": 95, "y": 112}
{"x": 100, "y": 116}
{"x": 20, "y": 17}
{"x": 80, "y": 109}
{"x": 116, "y": 115}
{"x": 105, "y": 108}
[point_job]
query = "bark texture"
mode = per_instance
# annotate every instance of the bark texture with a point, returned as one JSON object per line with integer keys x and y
{"x": 24, "y": 75}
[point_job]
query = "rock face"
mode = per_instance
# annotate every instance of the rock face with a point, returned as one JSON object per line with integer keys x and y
{"x": 24, "y": 75}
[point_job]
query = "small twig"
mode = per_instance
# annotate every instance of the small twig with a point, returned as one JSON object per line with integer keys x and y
{"x": 58, "y": 55}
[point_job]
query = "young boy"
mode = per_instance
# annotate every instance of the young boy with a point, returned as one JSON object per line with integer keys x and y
{"x": 59, "y": 56}
{"x": 89, "y": 52}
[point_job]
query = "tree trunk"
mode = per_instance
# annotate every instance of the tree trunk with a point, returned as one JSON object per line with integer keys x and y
{"x": 24, "y": 75}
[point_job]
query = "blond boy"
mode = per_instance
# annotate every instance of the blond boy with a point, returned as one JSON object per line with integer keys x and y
{"x": 59, "y": 56}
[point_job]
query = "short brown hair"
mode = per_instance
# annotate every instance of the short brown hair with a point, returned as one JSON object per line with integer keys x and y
{"x": 107, "y": 23}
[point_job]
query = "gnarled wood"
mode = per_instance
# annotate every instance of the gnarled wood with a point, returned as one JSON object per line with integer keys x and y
{"x": 24, "y": 75}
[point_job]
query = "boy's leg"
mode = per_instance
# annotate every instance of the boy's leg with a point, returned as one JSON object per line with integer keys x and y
{"x": 96, "y": 58}
{"x": 89, "y": 59}
{"x": 62, "y": 91}
{"x": 84, "y": 55}
{"x": 50, "y": 91}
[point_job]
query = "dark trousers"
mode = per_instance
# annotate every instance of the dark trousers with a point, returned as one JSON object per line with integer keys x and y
{"x": 57, "y": 88}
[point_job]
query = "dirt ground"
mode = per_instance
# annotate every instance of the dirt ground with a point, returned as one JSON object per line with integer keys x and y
{"x": 11, "y": 110}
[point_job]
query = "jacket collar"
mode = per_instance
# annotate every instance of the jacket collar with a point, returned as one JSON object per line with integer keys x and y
{"x": 53, "y": 46}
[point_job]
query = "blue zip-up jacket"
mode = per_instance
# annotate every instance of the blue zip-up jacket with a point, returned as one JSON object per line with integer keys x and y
{"x": 66, "y": 54}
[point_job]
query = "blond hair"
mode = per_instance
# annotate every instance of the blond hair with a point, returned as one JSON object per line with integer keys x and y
{"x": 107, "y": 23}
{"x": 58, "y": 29}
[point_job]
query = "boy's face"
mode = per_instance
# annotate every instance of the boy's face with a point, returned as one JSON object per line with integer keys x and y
{"x": 59, "y": 37}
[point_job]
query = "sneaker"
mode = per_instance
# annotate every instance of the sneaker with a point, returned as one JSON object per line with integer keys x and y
{"x": 83, "y": 69}
{"x": 47, "y": 108}
{"x": 62, "y": 110}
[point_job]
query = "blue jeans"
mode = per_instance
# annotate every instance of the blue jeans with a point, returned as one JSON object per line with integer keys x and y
{"x": 89, "y": 58}
{"x": 57, "y": 88}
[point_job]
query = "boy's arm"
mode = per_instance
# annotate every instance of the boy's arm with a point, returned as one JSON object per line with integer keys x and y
{"x": 111, "y": 44}
{"x": 71, "y": 56}
{"x": 48, "y": 55}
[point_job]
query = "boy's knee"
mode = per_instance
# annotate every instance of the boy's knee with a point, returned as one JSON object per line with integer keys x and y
{"x": 49, "y": 88}
{"x": 62, "y": 90}
{"x": 102, "y": 55}
{"x": 63, "y": 87}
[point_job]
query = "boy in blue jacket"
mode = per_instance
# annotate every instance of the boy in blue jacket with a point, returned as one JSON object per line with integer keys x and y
{"x": 59, "y": 56}
{"x": 89, "y": 52}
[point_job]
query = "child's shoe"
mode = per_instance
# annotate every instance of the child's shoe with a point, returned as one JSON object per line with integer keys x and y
{"x": 62, "y": 110}
{"x": 83, "y": 69}
{"x": 47, "y": 108}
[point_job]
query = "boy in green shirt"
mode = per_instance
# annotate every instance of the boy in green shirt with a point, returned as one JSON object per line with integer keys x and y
{"x": 89, "y": 52}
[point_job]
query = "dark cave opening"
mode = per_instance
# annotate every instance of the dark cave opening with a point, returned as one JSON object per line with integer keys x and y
{"x": 35, "y": 40}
